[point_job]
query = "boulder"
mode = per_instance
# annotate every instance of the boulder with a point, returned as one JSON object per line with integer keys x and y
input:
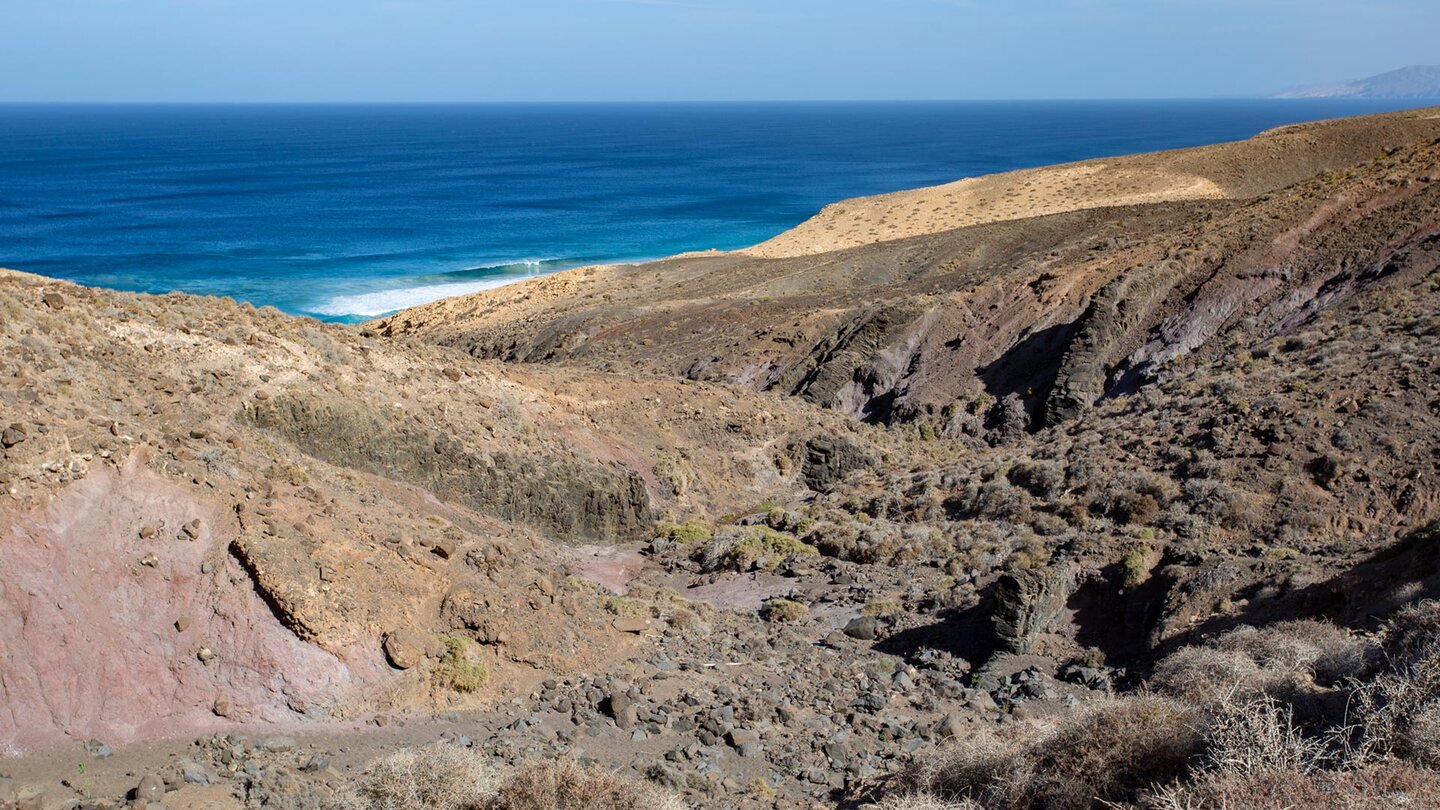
{"x": 864, "y": 628}
{"x": 150, "y": 789}
{"x": 404, "y": 648}
{"x": 1029, "y": 601}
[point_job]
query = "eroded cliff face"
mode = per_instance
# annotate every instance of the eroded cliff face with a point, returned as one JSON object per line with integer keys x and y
{"x": 217, "y": 515}
{"x": 574, "y": 499}
{"x": 125, "y": 616}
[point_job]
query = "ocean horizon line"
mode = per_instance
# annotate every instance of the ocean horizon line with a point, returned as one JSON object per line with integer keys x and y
{"x": 1419, "y": 102}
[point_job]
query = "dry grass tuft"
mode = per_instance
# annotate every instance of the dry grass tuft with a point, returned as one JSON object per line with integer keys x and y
{"x": 1257, "y": 734}
{"x": 1383, "y": 786}
{"x": 1280, "y": 660}
{"x": 1108, "y": 751}
{"x": 565, "y": 785}
{"x": 922, "y": 802}
{"x": 438, "y": 777}
{"x": 446, "y": 777}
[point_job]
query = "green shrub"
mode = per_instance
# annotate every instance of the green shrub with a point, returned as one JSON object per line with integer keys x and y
{"x": 783, "y": 611}
{"x": 1136, "y": 566}
{"x": 456, "y": 671}
{"x": 691, "y": 531}
{"x": 763, "y": 547}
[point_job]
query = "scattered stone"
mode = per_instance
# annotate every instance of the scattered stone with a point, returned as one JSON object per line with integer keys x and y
{"x": 97, "y": 749}
{"x": 194, "y": 773}
{"x": 150, "y": 789}
{"x": 32, "y": 799}
{"x": 631, "y": 624}
{"x": 150, "y": 560}
{"x": 205, "y": 655}
{"x": 452, "y": 374}
{"x": 616, "y": 704}
{"x": 54, "y": 300}
{"x": 12, "y": 436}
{"x": 950, "y": 726}
{"x": 191, "y": 530}
{"x": 182, "y": 624}
{"x": 863, "y": 628}
{"x": 279, "y": 744}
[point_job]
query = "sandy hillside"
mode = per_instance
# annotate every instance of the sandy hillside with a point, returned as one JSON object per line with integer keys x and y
{"x": 1237, "y": 170}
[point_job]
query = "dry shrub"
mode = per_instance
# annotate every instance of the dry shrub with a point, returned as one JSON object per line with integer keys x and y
{"x": 1112, "y": 750}
{"x": 1205, "y": 675}
{"x": 1382, "y": 786}
{"x": 1319, "y": 649}
{"x": 921, "y": 802}
{"x": 974, "y": 767}
{"x": 1257, "y": 734}
{"x": 565, "y": 785}
{"x": 1398, "y": 712}
{"x": 438, "y": 777}
{"x": 1108, "y": 751}
{"x": 1413, "y": 631}
{"x": 1278, "y": 660}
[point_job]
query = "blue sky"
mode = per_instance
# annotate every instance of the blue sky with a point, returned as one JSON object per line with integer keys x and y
{"x": 545, "y": 50}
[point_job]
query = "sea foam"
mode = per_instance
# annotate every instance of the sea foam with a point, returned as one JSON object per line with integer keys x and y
{"x": 431, "y": 288}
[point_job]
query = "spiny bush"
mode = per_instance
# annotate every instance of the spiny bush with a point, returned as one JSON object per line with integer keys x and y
{"x": 922, "y": 802}
{"x": 754, "y": 548}
{"x": 565, "y": 785}
{"x": 438, "y": 777}
{"x": 448, "y": 777}
{"x": 1043, "y": 479}
{"x": 1135, "y": 567}
{"x": 1256, "y": 734}
{"x": 1398, "y": 713}
{"x": 1279, "y": 660}
{"x": 1382, "y": 786}
{"x": 1108, "y": 751}
{"x": 1319, "y": 649}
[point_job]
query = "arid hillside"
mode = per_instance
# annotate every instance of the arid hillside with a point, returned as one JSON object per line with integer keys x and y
{"x": 1125, "y": 506}
{"x": 216, "y": 513}
{"x": 1013, "y": 324}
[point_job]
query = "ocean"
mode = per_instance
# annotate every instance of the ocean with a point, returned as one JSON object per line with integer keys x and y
{"x": 347, "y": 212}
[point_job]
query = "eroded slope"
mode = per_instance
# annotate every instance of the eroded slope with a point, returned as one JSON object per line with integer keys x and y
{"x": 216, "y": 514}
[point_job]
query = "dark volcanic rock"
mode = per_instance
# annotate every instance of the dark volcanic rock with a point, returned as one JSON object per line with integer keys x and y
{"x": 1029, "y": 601}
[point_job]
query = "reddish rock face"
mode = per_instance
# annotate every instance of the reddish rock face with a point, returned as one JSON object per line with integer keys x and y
{"x": 93, "y": 643}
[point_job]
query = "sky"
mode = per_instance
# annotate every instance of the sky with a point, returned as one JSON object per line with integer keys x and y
{"x": 650, "y": 50}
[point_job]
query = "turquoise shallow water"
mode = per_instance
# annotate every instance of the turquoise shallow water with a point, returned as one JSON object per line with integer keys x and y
{"x": 350, "y": 211}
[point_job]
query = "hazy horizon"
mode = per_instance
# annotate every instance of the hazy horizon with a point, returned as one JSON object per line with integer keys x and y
{"x": 596, "y": 51}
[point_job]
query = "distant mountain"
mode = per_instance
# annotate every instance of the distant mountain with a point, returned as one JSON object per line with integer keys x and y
{"x": 1416, "y": 81}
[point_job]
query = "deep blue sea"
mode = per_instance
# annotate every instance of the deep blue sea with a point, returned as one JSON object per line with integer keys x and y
{"x": 350, "y": 211}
